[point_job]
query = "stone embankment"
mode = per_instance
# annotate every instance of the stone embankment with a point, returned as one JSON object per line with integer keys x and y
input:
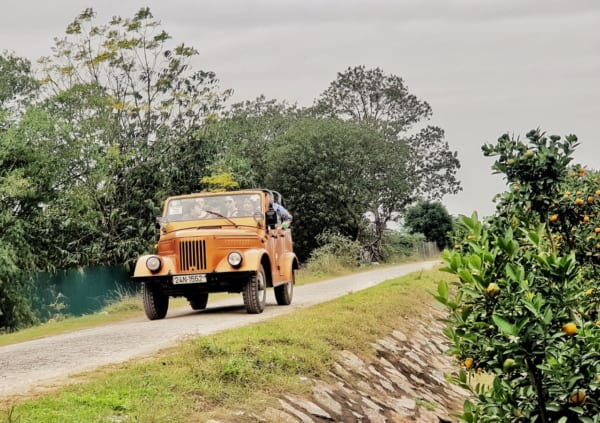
{"x": 404, "y": 383}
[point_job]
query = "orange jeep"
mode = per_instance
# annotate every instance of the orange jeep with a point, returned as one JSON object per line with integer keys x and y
{"x": 219, "y": 242}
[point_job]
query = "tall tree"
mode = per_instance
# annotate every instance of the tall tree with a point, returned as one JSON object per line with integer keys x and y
{"x": 19, "y": 196}
{"x": 432, "y": 220}
{"x": 137, "y": 108}
{"x": 425, "y": 166}
{"x": 324, "y": 168}
{"x": 369, "y": 96}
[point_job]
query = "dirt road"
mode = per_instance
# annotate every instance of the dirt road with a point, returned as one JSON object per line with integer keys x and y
{"x": 37, "y": 365}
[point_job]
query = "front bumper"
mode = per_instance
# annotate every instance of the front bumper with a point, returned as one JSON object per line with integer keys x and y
{"x": 215, "y": 282}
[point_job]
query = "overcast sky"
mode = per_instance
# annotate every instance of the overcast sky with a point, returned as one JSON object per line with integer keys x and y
{"x": 485, "y": 67}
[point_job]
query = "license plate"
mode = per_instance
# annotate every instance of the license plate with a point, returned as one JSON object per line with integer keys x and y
{"x": 183, "y": 279}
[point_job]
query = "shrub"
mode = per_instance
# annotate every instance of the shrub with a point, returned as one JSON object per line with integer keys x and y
{"x": 525, "y": 309}
{"x": 336, "y": 253}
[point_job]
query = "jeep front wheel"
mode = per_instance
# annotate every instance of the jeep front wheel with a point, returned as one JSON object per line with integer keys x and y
{"x": 255, "y": 292}
{"x": 156, "y": 303}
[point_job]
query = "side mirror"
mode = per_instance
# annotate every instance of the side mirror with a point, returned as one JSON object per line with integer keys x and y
{"x": 162, "y": 223}
{"x": 271, "y": 218}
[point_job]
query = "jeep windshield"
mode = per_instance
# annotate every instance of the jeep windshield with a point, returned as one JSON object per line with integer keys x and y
{"x": 214, "y": 206}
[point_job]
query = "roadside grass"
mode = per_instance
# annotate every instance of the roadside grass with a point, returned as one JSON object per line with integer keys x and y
{"x": 244, "y": 369}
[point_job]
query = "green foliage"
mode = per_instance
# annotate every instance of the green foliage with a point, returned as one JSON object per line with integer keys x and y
{"x": 241, "y": 140}
{"x": 368, "y": 95}
{"x": 16, "y": 81}
{"x": 330, "y": 151}
{"x": 525, "y": 309}
{"x": 409, "y": 167}
{"x": 220, "y": 182}
{"x": 124, "y": 99}
{"x": 336, "y": 253}
{"x": 20, "y": 192}
{"x": 432, "y": 220}
{"x": 401, "y": 245}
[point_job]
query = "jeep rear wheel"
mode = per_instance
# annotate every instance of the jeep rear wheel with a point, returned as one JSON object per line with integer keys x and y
{"x": 156, "y": 303}
{"x": 285, "y": 292}
{"x": 255, "y": 292}
{"x": 198, "y": 301}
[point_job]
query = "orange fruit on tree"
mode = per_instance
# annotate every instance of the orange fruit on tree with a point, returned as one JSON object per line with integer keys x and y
{"x": 586, "y": 218}
{"x": 492, "y": 290}
{"x": 579, "y": 201}
{"x": 589, "y": 291}
{"x": 578, "y": 397}
{"x": 597, "y": 230}
{"x": 468, "y": 362}
{"x": 554, "y": 218}
{"x": 590, "y": 199}
{"x": 581, "y": 171}
{"x": 569, "y": 329}
{"x": 598, "y": 192}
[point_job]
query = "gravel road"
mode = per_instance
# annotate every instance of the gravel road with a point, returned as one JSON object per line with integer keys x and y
{"x": 38, "y": 365}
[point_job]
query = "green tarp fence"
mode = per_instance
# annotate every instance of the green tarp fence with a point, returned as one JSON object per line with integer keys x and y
{"x": 75, "y": 292}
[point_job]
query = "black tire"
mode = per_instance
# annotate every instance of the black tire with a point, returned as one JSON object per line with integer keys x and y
{"x": 198, "y": 301}
{"x": 156, "y": 303}
{"x": 285, "y": 292}
{"x": 255, "y": 292}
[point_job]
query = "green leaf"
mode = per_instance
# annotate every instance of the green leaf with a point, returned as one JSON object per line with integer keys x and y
{"x": 548, "y": 315}
{"x": 475, "y": 262}
{"x": 442, "y": 292}
{"x": 534, "y": 238}
{"x": 465, "y": 275}
{"x": 504, "y": 326}
{"x": 515, "y": 272}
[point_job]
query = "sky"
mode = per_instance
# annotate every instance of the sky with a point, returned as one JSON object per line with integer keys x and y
{"x": 486, "y": 67}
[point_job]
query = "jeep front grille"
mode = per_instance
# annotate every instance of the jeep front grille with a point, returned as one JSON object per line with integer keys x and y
{"x": 192, "y": 255}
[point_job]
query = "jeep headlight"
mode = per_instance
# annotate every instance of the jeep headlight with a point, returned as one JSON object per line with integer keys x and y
{"x": 235, "y": 259}
{"x": 153, "y": 263}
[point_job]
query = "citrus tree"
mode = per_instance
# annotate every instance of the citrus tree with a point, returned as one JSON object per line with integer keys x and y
{"x": 525, "y": 308}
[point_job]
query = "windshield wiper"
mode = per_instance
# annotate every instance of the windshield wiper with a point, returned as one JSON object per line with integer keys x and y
{"x": 224, "y": 217}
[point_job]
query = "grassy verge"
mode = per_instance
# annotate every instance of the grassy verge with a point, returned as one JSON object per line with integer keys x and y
{"x": 241, "y": 369}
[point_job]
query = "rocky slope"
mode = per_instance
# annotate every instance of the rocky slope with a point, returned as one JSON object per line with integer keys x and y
{"x": 404, "y": 383}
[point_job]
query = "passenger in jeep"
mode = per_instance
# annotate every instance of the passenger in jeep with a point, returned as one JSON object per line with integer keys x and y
{"x": 283, "y": 215}
{"x": 199, "y": 210}
{"x": 230, "y": 206}
{"x": 248, "y": 208}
